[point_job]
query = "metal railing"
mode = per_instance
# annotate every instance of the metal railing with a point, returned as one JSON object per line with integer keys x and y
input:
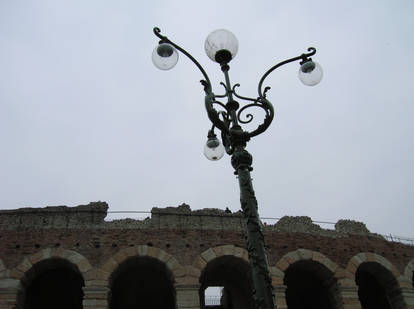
{"x": 212, "y": 300}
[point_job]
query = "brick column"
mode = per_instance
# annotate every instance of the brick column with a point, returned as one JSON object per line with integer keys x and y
{"x": 350, "y": 297}
{"x": 9, "y": 290}
{"x": 280, "y": 295}
{"x": 188, "y": 296}
{"x": 95, "y": 297}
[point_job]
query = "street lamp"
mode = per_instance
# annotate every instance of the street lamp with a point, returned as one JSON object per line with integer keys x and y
{"x": 221, "y": 46}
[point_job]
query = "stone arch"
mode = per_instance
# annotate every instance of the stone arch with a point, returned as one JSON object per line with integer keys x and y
{"x": 375, "y": 275}
{"x": 310, "y": 279}
{"x": 362, "y": 257}
{"x": 226, "y": 266}
{"x": 113, "y": 262}
{"x": 75, "y": 258}
{"x": 305, "y": 254}
{"x": 409, "y": 273}
{"x": 210, "y": 254}
{"x": 141, "y": 276}
{"x": 60, "y": 270}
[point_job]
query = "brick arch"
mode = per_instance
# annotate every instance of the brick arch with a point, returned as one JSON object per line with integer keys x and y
{"x": 210, "y": 254}
{"x": 113, "y": 262}
{"x": 75, "y": 258}
{"x": 304, "y": 254}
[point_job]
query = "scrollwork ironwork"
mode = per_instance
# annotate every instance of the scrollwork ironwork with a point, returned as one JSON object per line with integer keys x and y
{"x": 259, "y": 102}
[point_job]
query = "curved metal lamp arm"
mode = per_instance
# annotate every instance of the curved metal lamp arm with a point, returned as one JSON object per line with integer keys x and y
{"x": 164, "y": 39}
{"x": 270, "y": 113}
{"x": 303, "y": 57}
{"x": 212, "y": 113}
{"x": 265, "y": 104}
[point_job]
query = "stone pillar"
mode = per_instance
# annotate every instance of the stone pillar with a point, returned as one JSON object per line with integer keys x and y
{"x": 408, "y": 295}
{"x": 280, "y": 295}
{"x": 95, "y": 297}
{"x": 350, "y": 297}
{"x": 188, "y": 296}
{"x": 9, "y": 290}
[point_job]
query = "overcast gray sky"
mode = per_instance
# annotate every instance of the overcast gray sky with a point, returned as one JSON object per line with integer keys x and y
{"x": 85, "y": 116}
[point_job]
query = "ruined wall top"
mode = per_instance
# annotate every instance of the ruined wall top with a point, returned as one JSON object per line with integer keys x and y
{"x": 92, "y": 216}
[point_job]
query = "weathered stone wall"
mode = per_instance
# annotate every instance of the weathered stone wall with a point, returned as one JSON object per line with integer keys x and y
{"x": 92, "y": 216}
{"x": 186, "y": 241}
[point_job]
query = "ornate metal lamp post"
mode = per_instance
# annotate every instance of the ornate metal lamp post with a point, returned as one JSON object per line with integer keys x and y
{"x": 221, "y": 46}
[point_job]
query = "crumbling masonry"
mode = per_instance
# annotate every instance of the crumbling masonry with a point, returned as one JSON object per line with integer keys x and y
{"x": 169, "y": 259}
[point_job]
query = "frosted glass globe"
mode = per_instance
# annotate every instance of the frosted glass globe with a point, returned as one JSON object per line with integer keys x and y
{"x": 213, "y": 149}
{"x": 310, "y": 73}
{"x": 164, "y": 56}
{"x": 221, "y": 46}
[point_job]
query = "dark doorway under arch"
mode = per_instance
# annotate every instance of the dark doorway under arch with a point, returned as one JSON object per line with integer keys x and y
{"x": 377, "y": 287}
{"x": 142, "y": 282}
{"x": 234, "y": 275}
{"x": 54, "y": 283}
{"x": 310, "y": 285}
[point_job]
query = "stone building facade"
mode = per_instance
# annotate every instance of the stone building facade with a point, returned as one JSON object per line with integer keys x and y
{"x": 69, "y": 257}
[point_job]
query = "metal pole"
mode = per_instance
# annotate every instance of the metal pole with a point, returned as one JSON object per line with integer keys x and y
{"x": 263, "y": 290}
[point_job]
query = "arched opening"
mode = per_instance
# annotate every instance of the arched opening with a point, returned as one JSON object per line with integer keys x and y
{"x": 53, "y": 283}
{"x": 232, "y": 275}
{"x": 377, "y": 287}
{"x": 142, "y": 282}
{"x": 310, "y": 285}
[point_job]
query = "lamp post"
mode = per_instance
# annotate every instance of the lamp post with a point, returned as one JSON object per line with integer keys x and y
{"x": 228, "y": 116}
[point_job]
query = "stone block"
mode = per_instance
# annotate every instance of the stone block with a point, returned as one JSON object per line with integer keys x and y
{"x": 9, "y": 284}
{"x": 245, "y": 256}
{"x": 84, "y": 265}
{"x": 199, "y": 263}
{"x": 282, "y": 264}
{"x": 153, "y": 252}
{"x": 5, "y": 273}
{"x": 109, "y": 266}
{"x": 318, "y": 257}
{"x": 16, "y": 274}
{"x": 208, "y": 255}
{"x": 173, "y": 264}
{"x": 331, "y": 265}
{"x": 276, "y": 272}
{"x": 305, "y": 254}
{"x": 24, "y": 266}
{"x": 96, "y": 283}
{"x": 292, "y": 257}
{"x": 187, "y": 280}
{"x": 142, "y": 250}
{"x": 163, "y": 256}
{"x": 228, "y": 249}
{"x": 276, "y": 280}
{"x": 238, "y": 252}
{"x": 342, "y": 273}
{"x": 346, "y": 283}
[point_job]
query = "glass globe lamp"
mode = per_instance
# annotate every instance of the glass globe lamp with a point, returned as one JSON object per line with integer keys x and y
{"x": 213, "y": 149}
{"x": 221, "y": 46}
{"x": 164, "y": 56}
{"x": 310, "y": 73}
